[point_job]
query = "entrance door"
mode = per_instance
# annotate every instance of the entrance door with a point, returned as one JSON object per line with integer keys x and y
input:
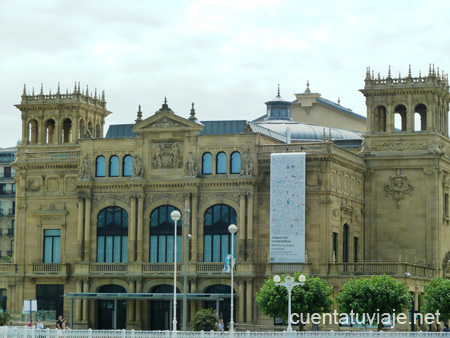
{"x": 161, "y": 316}
{"x": 106, "y": 311}
{"x": 224, "y": 306}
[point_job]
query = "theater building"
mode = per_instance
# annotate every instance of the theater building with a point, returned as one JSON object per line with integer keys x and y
{"x": 93, "y": 211}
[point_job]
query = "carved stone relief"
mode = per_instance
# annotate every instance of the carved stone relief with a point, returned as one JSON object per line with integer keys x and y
{"x": 167, "y": 155}
{"x": 85, "y": 170}
{"x": 246, "y": 163}
{"x": 164, "y": 197}
{"x": 98, "y": 199}
{"x": 52, "y": 184}
{"x": 399, "y": 146}
{"x": 34, "y": 184}
{"x": 398, "y": 187}
{"x": 312, "y": 178}
{"x": 207, "y": 197}
{"x": 190, "y": 168}
{"x": 166, "y": 123}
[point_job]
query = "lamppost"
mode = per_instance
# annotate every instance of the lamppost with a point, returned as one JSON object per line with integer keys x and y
{"x": 175, "y": 215}
{"x": 186, "y": 237}
{"x": 289, "y": 285}
{"x": 232, "y": 229}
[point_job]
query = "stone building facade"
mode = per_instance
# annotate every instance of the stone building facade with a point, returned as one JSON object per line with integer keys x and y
{"x": 93, "y": 212}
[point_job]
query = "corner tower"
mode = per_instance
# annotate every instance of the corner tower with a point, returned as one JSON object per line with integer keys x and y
{"x": 59, "y": 118}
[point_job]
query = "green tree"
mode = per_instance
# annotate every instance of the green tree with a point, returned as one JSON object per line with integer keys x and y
{"x": 205, "y": 320}
{"x": 437, "y": 298}
{"x": 372, "y": 296}
{"x": 313, "y": 297}
{"x": 5, "y": 318}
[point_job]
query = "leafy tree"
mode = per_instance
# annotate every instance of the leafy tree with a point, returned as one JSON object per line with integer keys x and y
{"x": 437, "y": 298}
{"x": 5, "y": 318}
{"x": 372, "y": 296}
{"x": 313, "y": 297}
{"x": 206, "y": 320}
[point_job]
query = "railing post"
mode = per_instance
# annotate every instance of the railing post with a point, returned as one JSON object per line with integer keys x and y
{"x": 202, "y": 334}
{"x": 33, "y": 334}
{"x": 90, "y": 333}
{"x": 124, "y": 333}
{"x": 247, "y": 334}
{"x": 132, "y": 333}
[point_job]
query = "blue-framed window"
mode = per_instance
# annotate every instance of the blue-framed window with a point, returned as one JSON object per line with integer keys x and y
{"x": 128, "y": 165}
{"x": 235, "y": 163}
{"x": 52, "y": 246}
{"x": 112, "y": 235}
{"x": 114, "y": 166}
{"x": 207, "y": 164}
{"x": 221, "y": 163}
{"x": 217, "y": 238}
{"x": 162, "y": 229}
{"x": 100, "y": 167}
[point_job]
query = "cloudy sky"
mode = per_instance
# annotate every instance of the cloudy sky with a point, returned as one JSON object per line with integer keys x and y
{"x": 226, "y": 56}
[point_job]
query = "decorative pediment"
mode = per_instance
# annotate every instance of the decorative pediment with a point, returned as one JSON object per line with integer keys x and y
{"x": 164, "y": 120}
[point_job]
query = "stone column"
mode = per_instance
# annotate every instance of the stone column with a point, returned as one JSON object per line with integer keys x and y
{"x": 138, "y": 302}
{"x": 249, "y": 302}
{"x": 80, "y": 227}
{"x": 241, "y": 233}
{"x": 132, "y": 231}
{"x": 194, "y": 228}
{"x": 241, "y": 299}
{"x": 140, "y": 227}
{"x": 390, "y": 115}
{"x": 87, "y": 229}
{"x": 130, "y": 303}
{"x": 85, "y": 301}
{"x": 78, "y": 301}
{"x": 250, "y": 226}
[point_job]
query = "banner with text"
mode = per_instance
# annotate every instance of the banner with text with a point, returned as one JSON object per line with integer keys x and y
{"x": 287, "y": 208}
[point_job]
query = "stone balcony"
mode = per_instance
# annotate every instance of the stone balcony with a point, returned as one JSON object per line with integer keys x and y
{"x": 51, "y": 268}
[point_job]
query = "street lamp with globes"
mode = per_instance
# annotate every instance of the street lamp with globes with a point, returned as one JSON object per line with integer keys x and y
{"x": 175, "y": 215}
{"x": 232, "y": 229}
{"x": 289, "y": 284}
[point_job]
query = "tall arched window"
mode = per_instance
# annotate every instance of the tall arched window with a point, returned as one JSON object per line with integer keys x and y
{"x": 221, "y": 163}
{"x": 112, "y": 235}
{"x": 82, "y": 129}
{"x": 100, "y": 168}
{"x": 33, "y": 131}
{"x": 207, "y": 164}
{"x": 49, "y": 131}
{"x": 400, "y": 117}
{"x": 421, "y": 113}
{"x": 235, "y": 164}
{"x": 162, "y": 229}
{"x": 217, "y": 244}
{"x": 67, "y": 131}
{"x": 114, "y": 166}
{"x": 345, "y": 244}
{"x": 380, "y": 119}
{"x": 127, "y": 165}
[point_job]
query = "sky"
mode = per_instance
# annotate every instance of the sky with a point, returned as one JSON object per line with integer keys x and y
{"x": 226, "y": 56}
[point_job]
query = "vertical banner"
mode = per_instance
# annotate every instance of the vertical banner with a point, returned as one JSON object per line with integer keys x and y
{"x": 287, "y": 208}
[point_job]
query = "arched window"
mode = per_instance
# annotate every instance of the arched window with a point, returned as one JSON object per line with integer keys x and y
{"x": 82, "y": 129}
{"x": 217, "y": 244}
{"x": 345, "y": 244}
{"x": 67, "y": 131}
{"x": 235, "y": 164}
{"x": 33, "y": 131}
{"x": 98, "y": 131}
{"x": 207, "y": 164}
{"x": 49, "y": 131}
{"x": 380, "y": 119}
{"x": 400, "y": 117}
{"x": 127, "y": 165}
{"x": 100, "y": 168}
{"x": 221, "y": 163}
{"x": 112, "y": 235}
{"x": 162, "y": 229}
{"x": 114, "y": 166}
{"x": 420, "y": 116}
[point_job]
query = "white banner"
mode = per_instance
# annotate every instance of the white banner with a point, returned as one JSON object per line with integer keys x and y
{"x": 287, "y": 208}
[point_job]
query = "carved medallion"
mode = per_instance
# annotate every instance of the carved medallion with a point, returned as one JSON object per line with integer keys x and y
{"x": 398, "y": 187}
{"x": 167, "y": 155}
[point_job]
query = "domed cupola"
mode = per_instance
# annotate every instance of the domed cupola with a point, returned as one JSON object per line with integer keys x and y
{"x": 278, "y": 108}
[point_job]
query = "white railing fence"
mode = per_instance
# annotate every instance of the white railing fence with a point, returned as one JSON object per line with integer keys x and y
{"x": 25, "y": 332}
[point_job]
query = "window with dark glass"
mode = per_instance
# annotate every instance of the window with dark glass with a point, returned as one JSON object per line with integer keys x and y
{"x": 7, "y": 171}
{"x": 446, "y": 201}
{"x": 3, "y": 298}
{"x": 345, "y": 244}
{"x": 50, "y": 301}
{"x": 162, "y": 229}
{"x": 100, "y": 167}
{"x": 112, "y": 235}
{"x": 127, "y": 165}
{"x": 52, "y": 245}
{"x": 335, "y": 241}
{"x": 217, "y": 238}
{"x": 221, "y": 163}
{"x": 207, "y": 163}
{"x": 355, "y": 249}
{"x": 114, "y": 166}
{"x": 235, "y": 164}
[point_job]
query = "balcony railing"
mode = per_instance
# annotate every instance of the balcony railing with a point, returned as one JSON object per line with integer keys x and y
{"x": 211, "y": 268}
{"x": 159, "y": 267}
{"x": 7, "y": 178}
{"x": 387, "y": 268}
{"x": 50, "y": 268}
{"x": 7, "y": 268}
{"x": 108, "y": 267}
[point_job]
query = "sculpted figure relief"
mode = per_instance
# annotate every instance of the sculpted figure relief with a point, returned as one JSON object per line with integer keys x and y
{"x": 190, "y": 168}
{"x": 246, "y": 164}
{"x": 85, "y": 170}
{"x": 167, "y": 155}
{"x": 138, "y": 166}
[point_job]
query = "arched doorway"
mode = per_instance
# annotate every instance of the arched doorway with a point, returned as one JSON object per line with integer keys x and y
{"x": 224, "y": 305}
{"x": 161, "y": 311}
{"x": 106, "y": 311}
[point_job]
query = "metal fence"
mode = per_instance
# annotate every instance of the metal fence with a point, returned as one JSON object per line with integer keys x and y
{"x": 25, "y": 332}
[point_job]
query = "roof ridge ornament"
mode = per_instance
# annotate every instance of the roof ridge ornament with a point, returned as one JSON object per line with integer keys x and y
{"x": 307, "y": 90}
{"x": 192, "y": 116}
{"x": 278, "y": 93}
{"x": 139, "y": 115}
